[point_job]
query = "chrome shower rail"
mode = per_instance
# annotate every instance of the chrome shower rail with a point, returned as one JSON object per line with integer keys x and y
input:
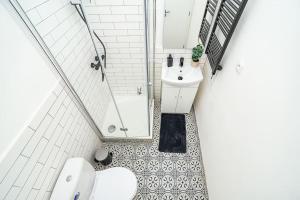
{"x": 84, "y": 19}
{"x": 82, "y": 15}
{"x": 104, "y": 49}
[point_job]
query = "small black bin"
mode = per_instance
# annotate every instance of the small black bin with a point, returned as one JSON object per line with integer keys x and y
{"x": 103, "y": 156}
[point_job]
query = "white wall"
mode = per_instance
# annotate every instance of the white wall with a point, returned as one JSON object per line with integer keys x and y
{"x": 22, "y": 70}
{"x": 160, "y": 8}
{"x": 196, "y": 19}
{"x": 249, "y": 121}
{"x": 197, "y": 15}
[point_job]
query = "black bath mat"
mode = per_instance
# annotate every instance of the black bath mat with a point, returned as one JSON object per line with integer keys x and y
{"x": 172, "y": 133}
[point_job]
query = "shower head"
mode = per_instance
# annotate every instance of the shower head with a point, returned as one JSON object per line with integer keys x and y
{"x": 75, "y": 2}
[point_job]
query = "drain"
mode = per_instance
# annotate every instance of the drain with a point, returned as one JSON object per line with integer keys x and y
{"x": 180, "y": 78}
{"x": 111, "y": 128}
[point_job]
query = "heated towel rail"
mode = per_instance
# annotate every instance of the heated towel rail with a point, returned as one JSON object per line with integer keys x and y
{"x": 225, "y": 22}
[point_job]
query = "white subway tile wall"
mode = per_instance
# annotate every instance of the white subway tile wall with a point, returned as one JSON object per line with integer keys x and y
{"x": 120, "y": 24}
{"x": 57, "y": 132}
{"x": 68, "y": 39}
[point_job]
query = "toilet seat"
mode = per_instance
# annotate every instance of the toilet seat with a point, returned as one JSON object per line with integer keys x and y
{"x": 116, "y": 183}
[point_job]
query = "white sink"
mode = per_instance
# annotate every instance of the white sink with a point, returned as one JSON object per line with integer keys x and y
{"x": 172, "y": 75}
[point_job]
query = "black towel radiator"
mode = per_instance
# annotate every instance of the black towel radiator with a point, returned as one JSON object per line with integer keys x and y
{"x": 210, "y": 9}
{"x": 225, "y": 23}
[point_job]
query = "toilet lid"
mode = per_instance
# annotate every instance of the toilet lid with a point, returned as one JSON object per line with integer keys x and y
{"x": 116, "y": 183}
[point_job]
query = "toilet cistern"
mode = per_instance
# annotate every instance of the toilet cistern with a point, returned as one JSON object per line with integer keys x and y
{"x": 79, "y": 180}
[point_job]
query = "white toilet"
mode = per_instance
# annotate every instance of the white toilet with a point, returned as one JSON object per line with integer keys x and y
{"x": 79, "y": 180}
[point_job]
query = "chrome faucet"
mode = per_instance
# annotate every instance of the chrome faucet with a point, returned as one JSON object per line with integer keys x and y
{"x": 181, "y": 61}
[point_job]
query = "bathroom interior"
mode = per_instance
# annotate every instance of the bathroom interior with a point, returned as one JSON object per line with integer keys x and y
{"x": 149, "y": 100}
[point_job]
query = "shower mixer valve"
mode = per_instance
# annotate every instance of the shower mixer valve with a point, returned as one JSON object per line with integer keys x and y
{"x": 96, "y": 66}
{"x": 139, "y": 90}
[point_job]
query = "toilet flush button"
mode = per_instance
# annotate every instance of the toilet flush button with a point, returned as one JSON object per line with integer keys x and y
{"x": 69, "y": 178}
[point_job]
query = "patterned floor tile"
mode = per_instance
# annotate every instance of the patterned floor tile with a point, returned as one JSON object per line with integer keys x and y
{"x": 163, "y": 176}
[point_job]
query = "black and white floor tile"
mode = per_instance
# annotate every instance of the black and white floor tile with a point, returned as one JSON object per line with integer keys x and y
{"x": 163, "y": 176}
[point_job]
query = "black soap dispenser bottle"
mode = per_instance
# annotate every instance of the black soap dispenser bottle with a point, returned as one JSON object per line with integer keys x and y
{"x": 170, "y": 61}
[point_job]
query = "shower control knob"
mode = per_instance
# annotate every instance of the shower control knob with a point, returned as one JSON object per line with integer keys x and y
{"x": 102, "y": 57}
{"x": 92, "y": 65}
{"x": 96, "y": 58}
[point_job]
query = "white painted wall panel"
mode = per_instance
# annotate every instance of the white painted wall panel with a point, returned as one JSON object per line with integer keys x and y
{"x": 22, "y": 70}
{"x": 248, "y": 119}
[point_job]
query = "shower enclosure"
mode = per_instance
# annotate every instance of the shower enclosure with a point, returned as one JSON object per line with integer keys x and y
{"x": 101, "y": 49}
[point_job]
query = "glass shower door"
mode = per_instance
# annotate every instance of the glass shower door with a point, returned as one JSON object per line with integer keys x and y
{"x": 151, "y": 36}
{"x": 118, "y": 104}
{"x": 65, "y": 39}
{"x": 123, "y": 32}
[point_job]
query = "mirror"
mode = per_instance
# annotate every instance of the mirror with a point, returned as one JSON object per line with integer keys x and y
{"x": 182, "y": 21}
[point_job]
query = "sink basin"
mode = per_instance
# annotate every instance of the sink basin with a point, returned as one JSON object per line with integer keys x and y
{"x": 181, "y": 76}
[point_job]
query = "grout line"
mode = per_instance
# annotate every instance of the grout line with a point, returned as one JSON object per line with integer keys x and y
{"x": 36, "y": 6}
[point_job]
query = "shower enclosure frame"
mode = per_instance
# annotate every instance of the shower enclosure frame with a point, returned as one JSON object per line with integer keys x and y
{"x": 38, "y": 38}
{"x": 85, "y": 20}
